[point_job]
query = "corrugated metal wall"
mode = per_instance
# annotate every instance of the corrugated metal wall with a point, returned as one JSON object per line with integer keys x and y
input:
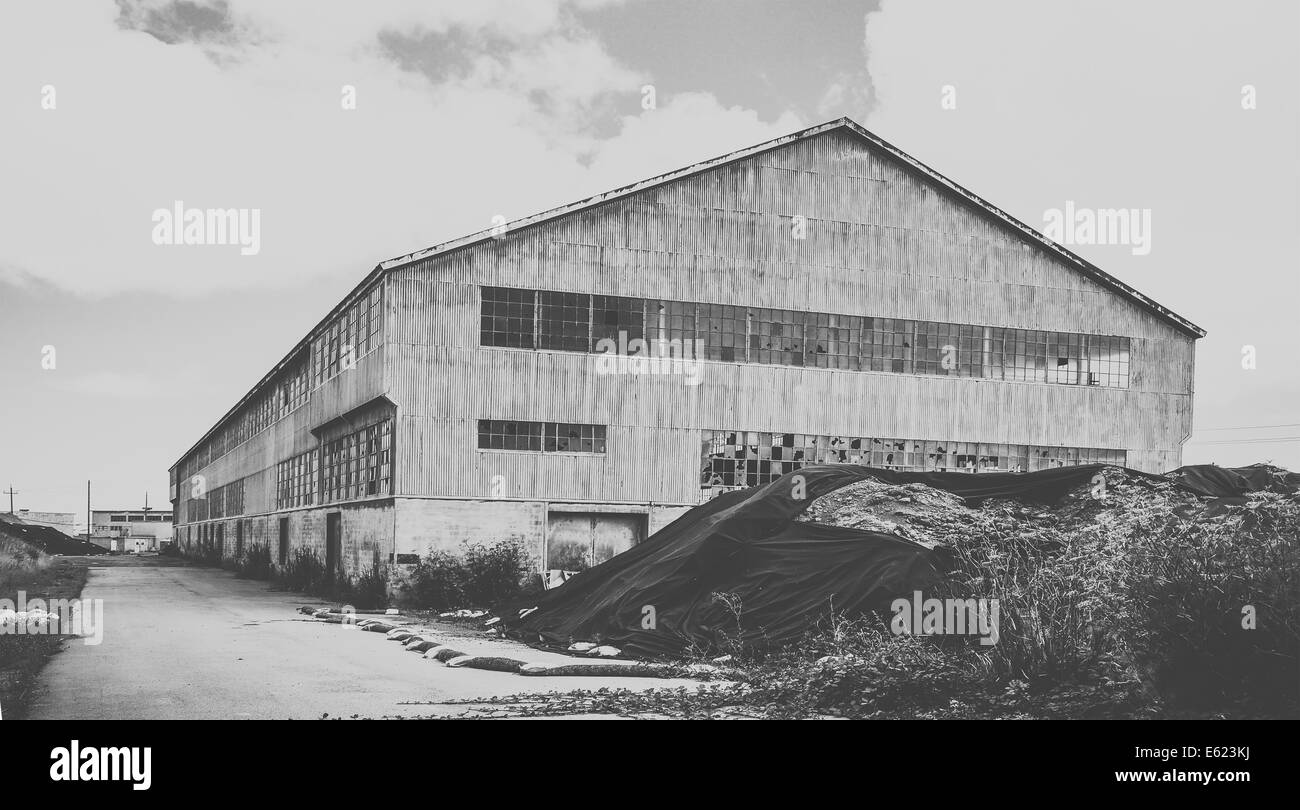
{"x": 879, "y": 242}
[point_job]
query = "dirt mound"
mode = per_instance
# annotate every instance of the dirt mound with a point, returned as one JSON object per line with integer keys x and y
{"x": 46, "y": 539}
{"x": 914, "y": 511}
{"x": 1113, "y": 498}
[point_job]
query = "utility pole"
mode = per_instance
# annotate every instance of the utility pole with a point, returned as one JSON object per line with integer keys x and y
{"x": 11, "y": 492}
{"x": 90, "y": 529}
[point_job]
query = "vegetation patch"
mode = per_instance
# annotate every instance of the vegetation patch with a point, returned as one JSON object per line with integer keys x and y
{"x": 306, "y": 573}
{"x": 23, "y": 568}
{"x": 1149, "y": 603}
{"x": 480, "y": 575}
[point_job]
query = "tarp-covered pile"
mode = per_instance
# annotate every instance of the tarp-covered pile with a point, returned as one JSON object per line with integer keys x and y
{"x": 836, "y": 537}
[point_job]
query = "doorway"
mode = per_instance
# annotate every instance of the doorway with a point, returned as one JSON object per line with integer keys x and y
{"x": 333, "y": 545}
{"x": 576, "y": 541}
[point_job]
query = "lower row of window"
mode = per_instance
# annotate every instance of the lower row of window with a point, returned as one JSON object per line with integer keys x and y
{"x": 751, "y": 458}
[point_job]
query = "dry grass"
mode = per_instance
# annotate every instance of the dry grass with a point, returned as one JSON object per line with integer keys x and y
{"x": 39, "y": 576}
{"x": 18, "y": 563}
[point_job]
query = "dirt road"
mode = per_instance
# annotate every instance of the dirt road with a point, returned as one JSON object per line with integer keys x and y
{"x": 182, "y": 641}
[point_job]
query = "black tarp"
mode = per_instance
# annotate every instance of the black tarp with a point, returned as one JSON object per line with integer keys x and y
{"x": 745, "y": 544}
{"x": 1228, "y": 482}
{"x": 784, "y": 575}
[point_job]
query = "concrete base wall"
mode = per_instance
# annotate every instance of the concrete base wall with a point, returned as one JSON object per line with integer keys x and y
{"x": 394, "y": 533}
{"x": 428, "y": 524}
{"x": 366, "y": 535}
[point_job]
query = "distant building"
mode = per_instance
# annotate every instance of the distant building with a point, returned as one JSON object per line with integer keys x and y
{"x": 62, "y": 521}
{"x": 130, "y": 529}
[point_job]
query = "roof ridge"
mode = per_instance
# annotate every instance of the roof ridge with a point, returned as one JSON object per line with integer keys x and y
{"x": 843, "y": 122}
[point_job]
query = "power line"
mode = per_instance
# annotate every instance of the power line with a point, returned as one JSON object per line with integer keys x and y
{"x": 1251, "y": 441}
{"x": 1247, "y": 427}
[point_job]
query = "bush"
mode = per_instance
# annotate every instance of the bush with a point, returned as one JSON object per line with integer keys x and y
{"x": 1191, "y": 587}
{"x": 18, "y": 561}
{"x": 304, "y": 572}
{"x": 480, "y": 576}
{"x": 367, "y": 592}
{"x": 1156, "y": 594}
{"x": 495, "y": 573}
{"x": 256, "y": 563}
{"x": 437, "y": 582}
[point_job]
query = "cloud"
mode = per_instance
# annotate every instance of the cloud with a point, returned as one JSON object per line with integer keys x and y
{"x": 464, "y": 111}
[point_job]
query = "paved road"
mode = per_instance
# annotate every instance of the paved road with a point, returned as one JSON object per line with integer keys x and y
{"x": 182, "y": 641}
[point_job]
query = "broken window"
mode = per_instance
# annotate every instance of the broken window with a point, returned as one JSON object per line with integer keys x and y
{"x": 777, "y": 336}
{"x": 672, "y": 321}
{"x": 538, "y": 437}
{"x": 621, "y": 320}
{"x": 732, "y": 459}
{"x": 889, "y": 345}
{"x": 728, "y": 333}
{"x": 564, "y": 437}
{"x": 723, "y": 329}
{"x": 835, "y": 341}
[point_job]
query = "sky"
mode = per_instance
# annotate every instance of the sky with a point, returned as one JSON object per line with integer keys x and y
{"x": 465, "y": 111}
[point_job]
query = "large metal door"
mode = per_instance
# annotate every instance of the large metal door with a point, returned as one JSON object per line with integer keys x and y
{"x": 579, "y": 540}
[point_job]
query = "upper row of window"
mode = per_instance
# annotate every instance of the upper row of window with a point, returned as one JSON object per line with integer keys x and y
{"x": 351, "y": 335}
{"x": 566, "y": 321}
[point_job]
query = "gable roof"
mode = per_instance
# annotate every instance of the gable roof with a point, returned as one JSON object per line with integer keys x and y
{"x": 847, "y": 125}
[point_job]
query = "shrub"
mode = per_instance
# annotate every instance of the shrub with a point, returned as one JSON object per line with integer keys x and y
{"x": 479, "y": 576}
{"x": 437, "y": 582}
{"x": 495, "y": 573}
{"x": 256, "y": 563}
{"x": 367, "y": 592}
{"x": 304, "y": 572}
{"x": 18, "y": 561}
